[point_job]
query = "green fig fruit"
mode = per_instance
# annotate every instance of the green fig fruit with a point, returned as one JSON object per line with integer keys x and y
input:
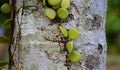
{"x": 62, "y": 13}
{"x": 50, "y": 13}
{"x": 65, "y": 4}
{"x": 56, "y": 6}
{"x": 74, "y": 56}
{"x": 69, "y": 46}
{"x": 54, "y": 2}
{"x": 73, "y": 33}
{"x": 64, "y": 31}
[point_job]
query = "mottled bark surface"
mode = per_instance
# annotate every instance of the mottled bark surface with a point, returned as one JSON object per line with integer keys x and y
{"x": 39, "y": 45}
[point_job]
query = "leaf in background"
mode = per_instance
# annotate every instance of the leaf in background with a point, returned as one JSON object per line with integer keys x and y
{"x": 3, "y": 39}
{"x": 114, "y": 3}
{"x": 7, "y": 21}
{"x": 3, "y": 17}
{"x": 3, "y": 63}
{"x": 113, "y": 22}
{"x": 117, "y": 41}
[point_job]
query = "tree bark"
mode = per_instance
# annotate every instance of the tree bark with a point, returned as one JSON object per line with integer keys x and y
{"x": 39, "y": 45}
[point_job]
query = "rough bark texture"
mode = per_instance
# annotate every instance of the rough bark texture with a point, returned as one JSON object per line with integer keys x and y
{"x": 39, "y": 45}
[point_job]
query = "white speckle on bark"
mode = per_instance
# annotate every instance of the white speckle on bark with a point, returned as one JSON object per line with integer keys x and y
{"x": 27, "y": 25}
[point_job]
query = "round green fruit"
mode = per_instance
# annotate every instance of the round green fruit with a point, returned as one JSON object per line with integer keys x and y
{"x": 62, "y": 13}
{"x": 73, "y": 33}
{"x": 65, "y": 4}
{"x": 64, "y": 31}
{"x": 69, "y": 46}
{"x": 6, "y": 8}
{"x": 54, "y": 2}
{"x": 56, "y": 6}
{"x": 74, "y": 56}
{"x": 50, "y": 13}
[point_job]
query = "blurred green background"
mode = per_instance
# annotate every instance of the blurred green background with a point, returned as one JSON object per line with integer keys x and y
{"x": 112, "y": 34}
{"x": 113, "y": 27}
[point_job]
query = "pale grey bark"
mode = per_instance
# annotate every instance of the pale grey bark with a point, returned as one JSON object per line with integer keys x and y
{"x": 39, "y": 45}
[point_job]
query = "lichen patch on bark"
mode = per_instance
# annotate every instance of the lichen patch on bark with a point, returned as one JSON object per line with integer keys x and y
{"x": 92, "y": 62}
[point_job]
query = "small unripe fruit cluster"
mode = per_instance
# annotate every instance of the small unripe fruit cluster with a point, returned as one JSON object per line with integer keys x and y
{"x": 72, "y": 34}
{"x": 58, "y": 8}
{"x": 5, "y": 8}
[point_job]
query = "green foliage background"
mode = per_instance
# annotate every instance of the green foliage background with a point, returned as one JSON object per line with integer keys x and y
{"x": 113, "y": 27}
{"x": 4, "y": 17}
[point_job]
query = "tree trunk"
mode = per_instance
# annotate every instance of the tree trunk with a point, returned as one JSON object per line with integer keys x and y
{"x": 39, "y": 45}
